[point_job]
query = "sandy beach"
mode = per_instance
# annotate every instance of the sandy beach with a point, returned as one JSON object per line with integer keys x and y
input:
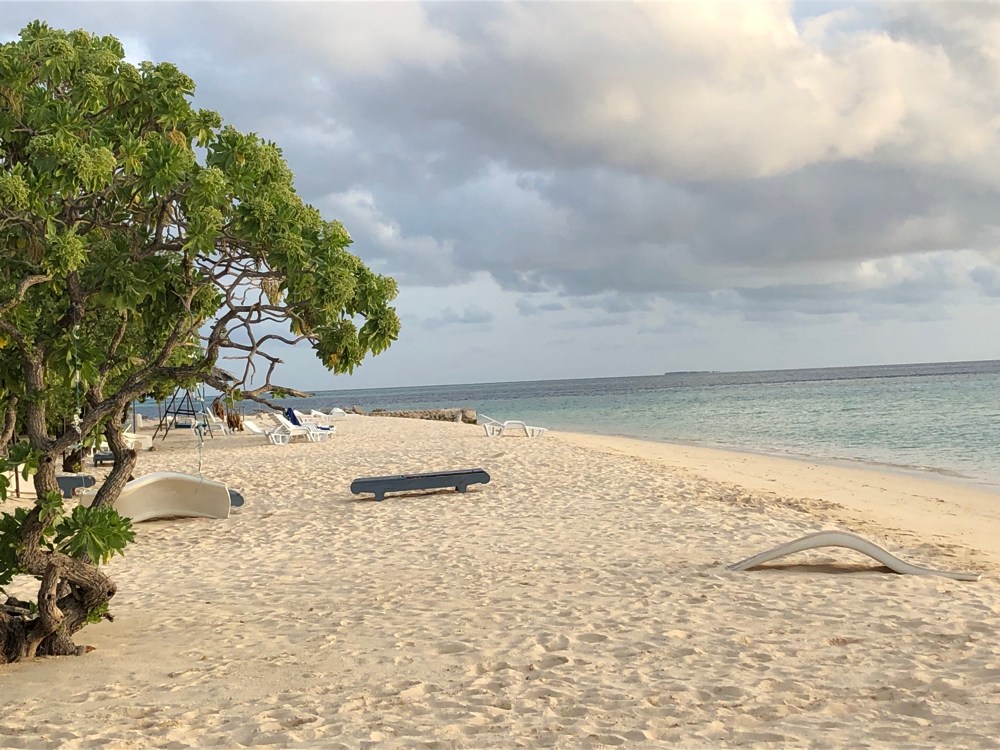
{"x": 580, "y": 599}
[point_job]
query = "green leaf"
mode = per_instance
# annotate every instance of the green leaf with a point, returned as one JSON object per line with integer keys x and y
{"x": 99, "y": 533}
{"x": 51, "y": 508}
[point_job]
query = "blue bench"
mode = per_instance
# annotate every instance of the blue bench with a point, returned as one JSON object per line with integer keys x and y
{"x": 460, "y": 480}
{"x": 69, "y": 483}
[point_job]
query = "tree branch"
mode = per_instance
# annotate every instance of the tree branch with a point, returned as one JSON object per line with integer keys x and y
{"x": 49, "y": 615}
{"x": 25, "y": 284}
{"x": 9, "y": 423}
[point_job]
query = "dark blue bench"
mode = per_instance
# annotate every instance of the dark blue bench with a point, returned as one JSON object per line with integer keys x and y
{"x": 69, "y": 483}
{"x": 460, "y": 480}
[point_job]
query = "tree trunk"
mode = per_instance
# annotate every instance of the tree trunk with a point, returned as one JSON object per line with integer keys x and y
{"x": 59, "y": 617}
{"x": 13, "y": 637}
{"x": 121, "y": 471}
{"x": 71, "y": 589}
{"x": 9, "y": 423}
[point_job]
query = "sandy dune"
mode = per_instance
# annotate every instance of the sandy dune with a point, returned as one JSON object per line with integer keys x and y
{"x": 578, "y": 600}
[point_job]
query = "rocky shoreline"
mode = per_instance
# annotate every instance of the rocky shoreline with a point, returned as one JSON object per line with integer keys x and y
{"x": 468, "y": 416}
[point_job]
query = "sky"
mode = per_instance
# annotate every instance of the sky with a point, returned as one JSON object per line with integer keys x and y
{"x": 595, "y": 189}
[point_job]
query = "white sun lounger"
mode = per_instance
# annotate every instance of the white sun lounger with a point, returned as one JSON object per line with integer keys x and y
{"x": 318, "y": 417}
{"x": 214, "y": 422}
{"x": 168, "y": 494}
{"x": 313, "y": 433}
{"x": 138, "y": 442}
{"x": 850, "y": 541}
{"x": 495, "y": 428}
{"x": 274, "y": 436}
{"x": 133, "y": 440}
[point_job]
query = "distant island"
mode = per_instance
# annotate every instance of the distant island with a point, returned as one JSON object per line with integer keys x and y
{"x": 693, "y": 372}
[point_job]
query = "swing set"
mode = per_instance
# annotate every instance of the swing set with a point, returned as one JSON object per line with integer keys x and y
{"x": 181, "y": 404}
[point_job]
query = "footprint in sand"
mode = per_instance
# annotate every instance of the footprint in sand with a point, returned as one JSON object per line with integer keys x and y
{"x": 420, "y": 690}
{"x": 557, "y": 643}
{"x": 453, "y": 647}
{"x": 551, "y": 661}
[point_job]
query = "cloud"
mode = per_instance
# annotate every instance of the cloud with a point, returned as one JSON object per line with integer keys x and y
{"x": 471, "y": 316}
{"x": 529, "y": 308}
{"x": 682, "y": 92}
{"x": 661, "y": 165}
{"x": 421, "y": 258}
{"x": 988, "y": 279}
{"x": 921, "y": 286}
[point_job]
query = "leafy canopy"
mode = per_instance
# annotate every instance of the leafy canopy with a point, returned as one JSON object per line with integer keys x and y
{"x": 141, "y": 240}
{"x": 162, "y": 236}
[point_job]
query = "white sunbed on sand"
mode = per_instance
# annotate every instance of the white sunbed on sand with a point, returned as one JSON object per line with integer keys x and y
{"x": 312, "y": 432}
{"x": 168, "y": 494}
{"x": 214, "y": 422}
{"x": 133, "y": 440}
{"x": 495, "y": 428}
{"x": 275, "y": 436}
{"x": 318, "y": 417}
{"x": 850, "y": 541}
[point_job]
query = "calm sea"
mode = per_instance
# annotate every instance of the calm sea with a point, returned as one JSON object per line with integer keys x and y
{"x": 942, "y": 418}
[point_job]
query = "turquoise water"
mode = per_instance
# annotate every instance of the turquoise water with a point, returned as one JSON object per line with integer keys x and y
{"x": 941, "y": 418}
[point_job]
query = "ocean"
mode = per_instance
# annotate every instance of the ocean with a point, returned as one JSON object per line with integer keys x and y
{"x": 941, "y": 418}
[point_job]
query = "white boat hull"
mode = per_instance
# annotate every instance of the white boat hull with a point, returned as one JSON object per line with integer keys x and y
{"x": 168, "y": 494}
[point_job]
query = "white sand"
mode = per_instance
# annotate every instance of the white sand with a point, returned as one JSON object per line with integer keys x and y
{"x": 580, "y": 599}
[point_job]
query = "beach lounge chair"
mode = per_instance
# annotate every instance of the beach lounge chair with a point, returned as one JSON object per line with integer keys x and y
{"x": 214, "y": 422}
{"x": 319, "y": 418}
{"x": 336, "y": 414}
{"x": 313, "y": 420}
{"x": 168, "y": 494}
{"x": 850, "y": 541}
{"x": 313, "y": 433}
{"x": 460, "y": 480}
{"x": 275, "y": 436}
{"x": 495, "y": 428}
{"x": 138, "y": 442}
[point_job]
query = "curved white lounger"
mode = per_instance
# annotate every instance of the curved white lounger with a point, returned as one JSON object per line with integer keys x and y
{"x": 850, "y": 541}
{"x": 168, "y": 494}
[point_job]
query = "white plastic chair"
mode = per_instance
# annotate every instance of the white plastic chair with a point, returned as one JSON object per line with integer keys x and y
{"x": 133, "y": 440}
{"x": 214, "y": 422}
{"x": 274, "y": 436}
{"x": 312, "y": 432}
{"x": 495, "y": 428}
{"x": 320, "y": 418}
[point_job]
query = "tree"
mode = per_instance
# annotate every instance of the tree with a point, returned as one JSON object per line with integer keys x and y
{"x": 141, "y": 240}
